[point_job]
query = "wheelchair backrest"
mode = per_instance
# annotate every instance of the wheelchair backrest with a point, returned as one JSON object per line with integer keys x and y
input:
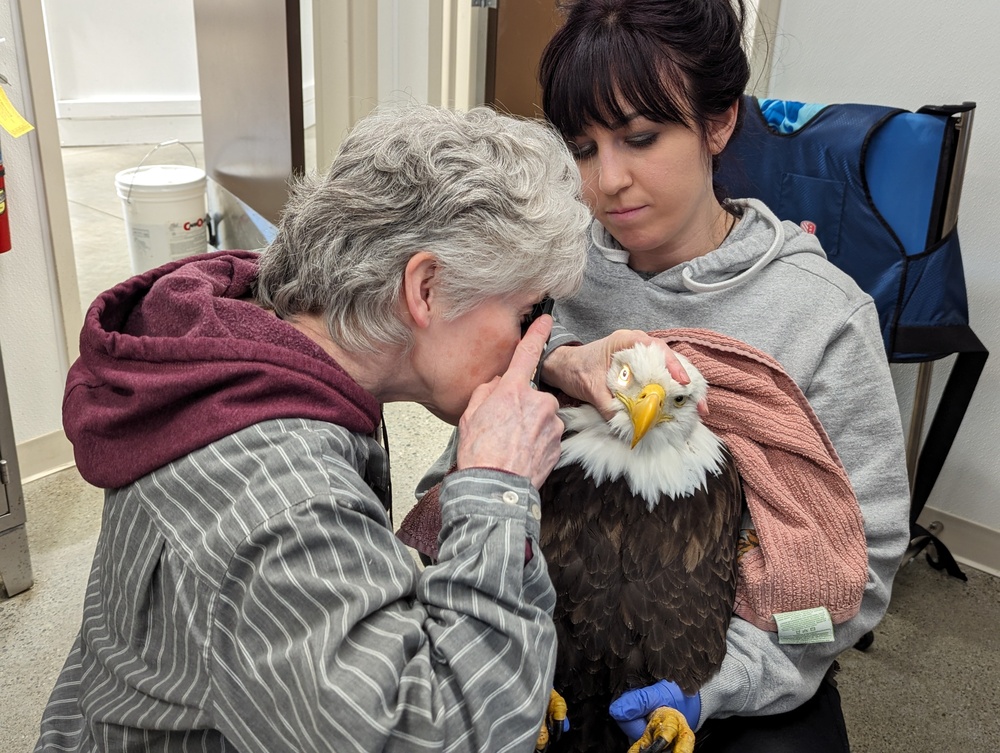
{"x": 875, "y": 182}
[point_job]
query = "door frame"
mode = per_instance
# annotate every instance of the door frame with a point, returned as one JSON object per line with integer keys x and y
{"x": 51, "y": 184}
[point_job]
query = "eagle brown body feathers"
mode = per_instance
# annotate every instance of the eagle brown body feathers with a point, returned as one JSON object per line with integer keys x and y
{"x": 642, "y": 595}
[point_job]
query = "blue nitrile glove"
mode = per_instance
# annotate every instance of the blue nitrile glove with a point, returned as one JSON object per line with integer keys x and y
{"x": 632, "y": 707}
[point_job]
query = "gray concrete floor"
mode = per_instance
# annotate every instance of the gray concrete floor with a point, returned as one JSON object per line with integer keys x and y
{"x": 930, "y": 682}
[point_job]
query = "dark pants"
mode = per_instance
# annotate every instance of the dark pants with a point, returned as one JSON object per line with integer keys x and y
{"x": 817, "y": 726}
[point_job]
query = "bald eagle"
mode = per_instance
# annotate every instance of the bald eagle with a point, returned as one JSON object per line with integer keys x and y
{"x": 640, "y": 530}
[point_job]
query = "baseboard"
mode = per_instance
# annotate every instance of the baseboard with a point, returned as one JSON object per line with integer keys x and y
{"x": 129, "y": 130}
{"x": 92, "y": 123}
{"x": 110, "y": 123}
{"x": 43, "y": 455}
{"x": 971, "y": 543}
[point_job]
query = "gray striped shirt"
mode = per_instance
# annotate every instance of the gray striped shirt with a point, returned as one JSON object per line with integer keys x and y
{"x": 252, "y": 597}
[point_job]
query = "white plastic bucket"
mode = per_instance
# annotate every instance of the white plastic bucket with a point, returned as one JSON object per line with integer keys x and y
{"x": 165, "y": 213}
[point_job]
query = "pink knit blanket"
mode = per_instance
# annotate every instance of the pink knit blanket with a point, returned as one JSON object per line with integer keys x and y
{"x": 812, "y": 549}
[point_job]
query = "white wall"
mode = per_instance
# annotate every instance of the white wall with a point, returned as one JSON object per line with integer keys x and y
{"x": 452, "y": 74}
{"x": 403, "y": 57}
{"x": 127, "y": 72}
{"x": 308, "y": 64}
{"x": 124, "y": 71}
{"x": 909, "y": 53}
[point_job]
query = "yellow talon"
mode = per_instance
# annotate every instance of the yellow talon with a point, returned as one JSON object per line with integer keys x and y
{"x": 668, "y": 725}
{"x": 543, "y": 738}
{"x": 552, "y": 724}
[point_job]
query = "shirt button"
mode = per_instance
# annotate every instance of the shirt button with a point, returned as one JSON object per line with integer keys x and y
{"x": 510, "y": 497}
{"x": 536, "y": 512}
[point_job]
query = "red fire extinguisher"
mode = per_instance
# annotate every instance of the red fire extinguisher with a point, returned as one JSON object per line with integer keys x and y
{"x": 4, "y": 216}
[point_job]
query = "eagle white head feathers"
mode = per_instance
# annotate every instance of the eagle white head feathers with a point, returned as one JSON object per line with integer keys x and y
{"x": 656, "y": 439}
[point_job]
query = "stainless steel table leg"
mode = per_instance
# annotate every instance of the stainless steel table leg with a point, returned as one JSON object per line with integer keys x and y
{"x": 914, "y": 437}
{"x": 15, "y": 562}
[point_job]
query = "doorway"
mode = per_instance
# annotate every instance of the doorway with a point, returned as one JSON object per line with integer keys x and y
{"x": 517, "y": 35}
{"x": 123, "y": 79}
{"x": 433, "y": 52}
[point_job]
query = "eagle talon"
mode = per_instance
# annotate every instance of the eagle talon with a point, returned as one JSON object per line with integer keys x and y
{"x": 554, "y": 723}
{"x": 666, "y": 727}
{"x": 659, "y": 745}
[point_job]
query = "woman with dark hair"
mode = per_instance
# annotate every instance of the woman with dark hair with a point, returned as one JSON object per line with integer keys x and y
{"x": 647, "y": 93}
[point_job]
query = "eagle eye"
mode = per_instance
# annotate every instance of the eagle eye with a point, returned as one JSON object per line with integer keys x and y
{"x": 679, "y": 400}
{"x": 624, "y": 376}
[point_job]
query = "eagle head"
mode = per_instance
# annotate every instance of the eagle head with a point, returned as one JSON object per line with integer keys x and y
{"x": 647, "y": 396}
{"x": 656, "y": 439}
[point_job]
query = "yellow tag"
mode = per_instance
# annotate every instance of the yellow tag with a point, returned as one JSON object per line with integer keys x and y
{"x": 11, "y": 119}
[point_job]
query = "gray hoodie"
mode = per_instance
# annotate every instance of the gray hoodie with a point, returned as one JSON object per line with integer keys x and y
{"x": 770, "y": 285}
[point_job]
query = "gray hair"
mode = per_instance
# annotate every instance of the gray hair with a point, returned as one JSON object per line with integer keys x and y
{"x": 495, "y": 199}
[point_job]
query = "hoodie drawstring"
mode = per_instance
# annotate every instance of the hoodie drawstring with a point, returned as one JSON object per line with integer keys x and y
{"x": 779, "y": 240}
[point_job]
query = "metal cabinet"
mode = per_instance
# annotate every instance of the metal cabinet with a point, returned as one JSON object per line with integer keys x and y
{"x": 15, "y": 561}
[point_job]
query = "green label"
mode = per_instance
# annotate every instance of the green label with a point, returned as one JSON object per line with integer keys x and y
{"x": 805, "y": 626}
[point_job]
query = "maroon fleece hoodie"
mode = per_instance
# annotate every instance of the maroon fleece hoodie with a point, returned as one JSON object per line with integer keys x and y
{"x": 178, "y": 357}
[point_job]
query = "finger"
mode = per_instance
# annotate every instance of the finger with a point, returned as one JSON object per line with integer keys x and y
{"x": 626, "y": 338}
{"x": 632, "y": 704}
{"x": 528, "y": 352}
{"x": 703, "y": 408}
{"x": 676, "y": 369}
{"x": 548, "y": 448}
{"x": 633, "y": 729}
{"x": 673, "y": 363}
{"x": 621, "y": 339}
{"x": 480, "y": 394}
{"x": 608, "y": 409}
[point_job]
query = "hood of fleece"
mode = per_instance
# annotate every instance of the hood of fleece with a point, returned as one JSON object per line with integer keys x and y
{"x": 179, "y": 357}
{"x": 756, "y": 241}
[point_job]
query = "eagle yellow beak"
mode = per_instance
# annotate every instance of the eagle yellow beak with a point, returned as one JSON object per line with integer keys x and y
{"x": 645, "y": 411}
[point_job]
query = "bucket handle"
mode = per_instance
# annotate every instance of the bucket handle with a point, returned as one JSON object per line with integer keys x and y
{"x": 169, "y": 142}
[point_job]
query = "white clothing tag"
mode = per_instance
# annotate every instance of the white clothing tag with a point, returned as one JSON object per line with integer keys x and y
{"x": 805, "y": 626}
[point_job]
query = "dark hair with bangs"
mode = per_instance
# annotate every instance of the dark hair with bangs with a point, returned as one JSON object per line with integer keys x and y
{"x": 671, "y": 61}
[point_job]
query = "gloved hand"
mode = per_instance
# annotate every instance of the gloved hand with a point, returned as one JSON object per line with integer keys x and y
{"x": 632, "y": 707}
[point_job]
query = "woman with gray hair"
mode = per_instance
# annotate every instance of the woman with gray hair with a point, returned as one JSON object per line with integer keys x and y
{"x": 247, "y": 591}
{"x": 492, "y": 198}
